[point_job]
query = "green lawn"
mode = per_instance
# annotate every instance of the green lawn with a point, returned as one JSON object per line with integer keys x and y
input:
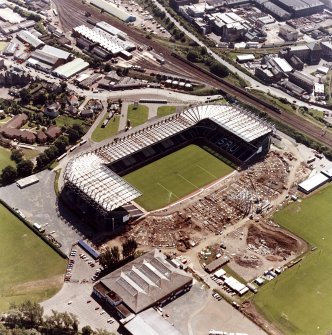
{"x": 28, "y": 266}
{"x": 138, "y": 115}
{"x": 165, "y": 110}
{"x": 5, "y": 158}
{"x": 100, "y": 134}
{"x": 176, "y": 175}
{"x": 65, "y": 120}
{"x": 300, "y": 300}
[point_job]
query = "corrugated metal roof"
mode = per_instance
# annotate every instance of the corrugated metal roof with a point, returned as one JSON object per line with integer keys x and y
{"x": 113, "y": 10}
{"x": 71, "y": 68}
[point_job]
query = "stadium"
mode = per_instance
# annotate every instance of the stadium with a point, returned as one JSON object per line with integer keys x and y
{"x": 95, "y": 182}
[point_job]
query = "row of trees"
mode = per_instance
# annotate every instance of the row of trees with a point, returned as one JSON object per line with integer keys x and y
{"x": 28, "y": 319}
{"x": 111, "y": 257}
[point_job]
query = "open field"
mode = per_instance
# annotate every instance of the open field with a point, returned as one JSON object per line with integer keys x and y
{"x": 300, "y": 300}
{"x": 165, "y": 110}
{"x": 5, "y": 158}
{"x": 64, "y": 120}
{"x": 176, "y": 175}
{"x": 29, "y": 268}
{"x": 137, "y": 115}
{"x": 100, "y": 134}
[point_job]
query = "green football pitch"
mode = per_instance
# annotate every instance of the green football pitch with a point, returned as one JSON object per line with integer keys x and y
{"x": 299, "y": 301}
{"x": 176, "y": 175}
{"x": 29, "y": 268}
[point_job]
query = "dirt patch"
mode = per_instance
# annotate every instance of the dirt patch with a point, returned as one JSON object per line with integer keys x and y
{"x": 55, "y": 281}
{"x": 249, "y": 310}
{"x": 248, "y": 261}
{"x": 269, "y": 240}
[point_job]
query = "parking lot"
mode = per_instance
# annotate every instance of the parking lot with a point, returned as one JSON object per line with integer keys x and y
{"x": 75, "y": 295}
{"x": 38, "y": 203}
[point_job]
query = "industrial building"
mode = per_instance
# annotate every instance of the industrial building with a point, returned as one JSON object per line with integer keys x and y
{"x": 110, "y": 45}
{"x": 326, "y": 50}
{"x": 71, "y": 68}
{"x": 299, "y": 8}
{"x": 303, "y": 80}
{"x": 147, "y": 281}
{"x": 13, "y": 28}
{"x": 10, "y": 49}
{"x": 113, "y": 10}
{"x": 26, "y": 37}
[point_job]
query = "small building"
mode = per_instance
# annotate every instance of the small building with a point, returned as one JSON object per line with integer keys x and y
{"x": 312, "y": 183}
{"x": 10, "y": 49}
{"x": 52, "y": 110}
{"x": 53, "y": 132}
{"x": 216, "y": 264}
{"x": 288, "y": 33}
{"x": 243, "y": 58}
{"x": 41, "y": 137}
{"x": 303, "y": 80}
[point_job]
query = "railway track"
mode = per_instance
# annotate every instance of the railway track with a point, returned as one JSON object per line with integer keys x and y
{"x": 71, "y": 14}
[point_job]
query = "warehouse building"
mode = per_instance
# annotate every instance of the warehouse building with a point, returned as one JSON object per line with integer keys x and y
{"x": 70, "y": 69}
{"x": 46, "y": 58}
{"x": 299, "y": 8}
{"x": 26, "y": 37}
{"x": 273, "y": 9}
{"x": 303, "y": 80}
{"x": 147, "y": 281}
{"x": 111, "y": 30}
{"x": 288, "y": 33}
{"x": 10, "y": 49}
{"x": 326, "y": 50}
{"x": 64, "y": 56}
{"x": 113, "y": 10}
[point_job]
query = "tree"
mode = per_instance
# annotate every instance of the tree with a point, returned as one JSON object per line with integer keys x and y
{"x": 32, "y": 314}
{"x": 16, "y": 155}
{"x": 219, "y": 69}
{"x": 25, "y": 96}
{"x": 86, "y": 330}
{"x": 129, "y": 247}
{"x": 61, "y": 143}
{"x": 107, "y": 67}
{"x": 24, "y": 168}
{"x": 193, "y": 56}
{"x": 8, "y": 175}
{"x": 115, "y": 252}
{"x": 109, "y": 257}
{"x": 39, "y": 99}
{"x": 42, "y": 160}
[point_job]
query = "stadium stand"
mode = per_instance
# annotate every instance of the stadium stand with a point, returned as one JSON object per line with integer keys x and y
{"x": 233, "y": 132}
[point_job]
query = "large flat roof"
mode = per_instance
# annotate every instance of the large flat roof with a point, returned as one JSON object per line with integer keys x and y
{"x": 146, "y": 280}
{"x": 150, "y": 322}
{"x": 71, "y": 68}
{"x": 56, "y": 52}
{"x": 113, "y": 10}
{"x": 313, "y": 182}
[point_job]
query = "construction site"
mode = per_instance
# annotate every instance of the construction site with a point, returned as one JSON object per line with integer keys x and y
{"x": 238, "y": 207}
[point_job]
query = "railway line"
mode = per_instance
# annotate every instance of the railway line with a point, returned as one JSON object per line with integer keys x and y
{"x": 71, "y": 13}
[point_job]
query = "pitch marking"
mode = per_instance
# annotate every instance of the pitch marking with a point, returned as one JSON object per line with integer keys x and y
{"x": 208, "y": 172}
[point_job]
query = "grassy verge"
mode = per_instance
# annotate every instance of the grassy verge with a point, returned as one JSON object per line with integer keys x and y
{"x": 100, "y": 134}
{"x": 165, "y": 110}
{"x": 5, "y": 158}
{"x": 137, "y": 115}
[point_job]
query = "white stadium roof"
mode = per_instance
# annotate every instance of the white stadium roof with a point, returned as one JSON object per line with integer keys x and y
{"x": 89, "y": 173}
{"x": 99, "y": 182}
{"x": 313, "y": 182}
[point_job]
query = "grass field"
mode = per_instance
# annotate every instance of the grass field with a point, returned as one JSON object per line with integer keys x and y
{"x": 64, "y": 120}
{"x": 29, "y": 268}
{"x": 100, "y": 134}
{"x": 5, "y": 158}
{"x": 176, "y": 175}
{"x": 138, "y": 115}
{"x": 165, "y": 110}
{"x": 300, "y": 300}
